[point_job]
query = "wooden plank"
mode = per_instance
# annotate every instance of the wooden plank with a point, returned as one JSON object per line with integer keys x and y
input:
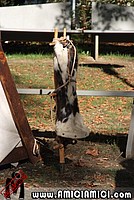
{"x": 72, "y": 31}
{"x": 34, "y": 91}
{"x": 105, "y": 32}
{"x": 16, "y": 107}
{"x": 100, "y": 93}
{"x": 16, "y": 155}
{"x": 130, "y": 141}
{"x": 27, "y": 36}
{"x": 44, "y": 134}
{"x": 103, "y": 93}
{"x": 47, "y": 35}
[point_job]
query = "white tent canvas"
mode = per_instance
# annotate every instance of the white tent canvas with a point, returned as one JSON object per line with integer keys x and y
{"x": 9, "y": 137}
{"x": 112, "y": 17}
{"x": 36, "y": 17}
{"x": 14, "y": 127}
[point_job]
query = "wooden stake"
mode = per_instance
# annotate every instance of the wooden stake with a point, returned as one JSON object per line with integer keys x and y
{"x": 64, "y": 33}
{"x": 62, "y": 154}
{"x": 55, "y": 33}
{"x": 16, "y": 109}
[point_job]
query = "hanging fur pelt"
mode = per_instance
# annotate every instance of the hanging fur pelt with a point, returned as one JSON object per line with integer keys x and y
{"x": 69, "y": 122}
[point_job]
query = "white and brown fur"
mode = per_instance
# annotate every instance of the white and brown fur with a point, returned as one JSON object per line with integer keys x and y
{"x": 69, "y": 122}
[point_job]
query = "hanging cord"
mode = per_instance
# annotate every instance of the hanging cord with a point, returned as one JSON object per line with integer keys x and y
{"x": 36, "y": 149}
{"x": 51, "y": 110}
{"x": 37, "y": 140}
{"x": 69, "y": 75}
{"x": 74, "y": 57}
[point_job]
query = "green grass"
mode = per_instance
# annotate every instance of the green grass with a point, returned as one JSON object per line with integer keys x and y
{"x": 118, "y": 55}
{"x": 28, "y": 56}
{"x": 101, "y": 114}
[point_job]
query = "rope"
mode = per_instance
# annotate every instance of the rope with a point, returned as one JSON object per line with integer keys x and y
{"x": 36, "y": 150}
{"x": 69, "y": 75}
{"x": 51, "y": 111}
{"x": 63, "y": 41}
{"x": 40, "y": 142}
{"x": 74, "y": 56}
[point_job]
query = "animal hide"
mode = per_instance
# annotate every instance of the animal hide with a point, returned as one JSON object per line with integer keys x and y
{"x": 69, "y": 122}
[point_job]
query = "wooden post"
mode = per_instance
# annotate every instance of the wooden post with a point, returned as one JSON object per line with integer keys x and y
{"x": 62, "y": 158}
{"x": 130, "y": 141}
{"x": 61, "y": 149}
{"x": 62, "y": 154}
{"x": 55, "y": 33}
{"x": 64, "y": 33}
{"x": 16, "y": 108}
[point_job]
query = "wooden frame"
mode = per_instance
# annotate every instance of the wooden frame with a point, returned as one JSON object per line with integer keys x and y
{"x": 18, "y": 114}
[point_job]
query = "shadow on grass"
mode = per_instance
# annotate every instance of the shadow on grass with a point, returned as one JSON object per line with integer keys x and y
{"x": 118, "y": 139}
{"x": 124, "y": 178}
{"x": 109, "y": 70}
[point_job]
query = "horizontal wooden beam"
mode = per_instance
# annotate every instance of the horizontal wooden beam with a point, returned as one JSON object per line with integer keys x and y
{"x": 75, "y": 31}
{"x": 100, "y": 93}
{"x": 47, "y": 35}
{"x": 44, "y": 134}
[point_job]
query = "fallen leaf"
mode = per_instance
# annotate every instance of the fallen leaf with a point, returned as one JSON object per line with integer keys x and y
{"x": 93, "y": 152}
{"x": 91, "y": 184}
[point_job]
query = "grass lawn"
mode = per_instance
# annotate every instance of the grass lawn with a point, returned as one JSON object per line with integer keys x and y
{"x": 93, "y": 163}
{"x": 101, "y": 114}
